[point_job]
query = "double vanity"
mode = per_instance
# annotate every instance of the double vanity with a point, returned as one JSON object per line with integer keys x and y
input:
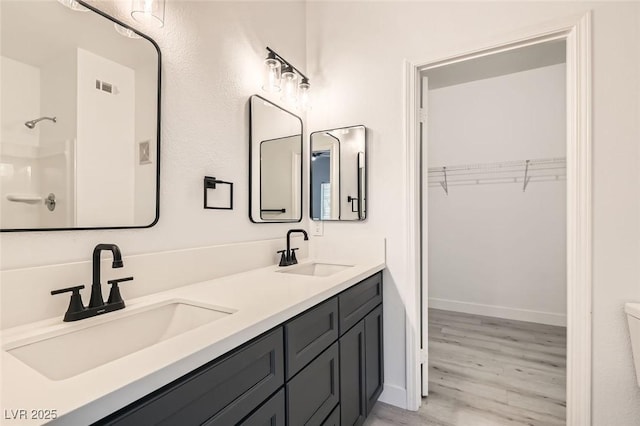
{"x": 293, "y": 345}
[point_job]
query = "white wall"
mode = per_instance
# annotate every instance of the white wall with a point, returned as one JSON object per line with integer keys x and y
{"x": 494, "y": 249}
{"x": 355, "y": 57}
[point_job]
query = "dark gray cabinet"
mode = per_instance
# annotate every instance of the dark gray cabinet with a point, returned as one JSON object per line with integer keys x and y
{"x": 359, "y": 300}
{"x": 309, "y": 334}
{"x": 361, "y": 350}
{"x": 220, "y": 393}
{"x": 321, "y": 368}
{"x": 271, "y": 413}
{"x": 314, "y": 392}
{"x": 352, "y": 376}
{"x": 334, "y": 418}
{"x": 374, "y": 362}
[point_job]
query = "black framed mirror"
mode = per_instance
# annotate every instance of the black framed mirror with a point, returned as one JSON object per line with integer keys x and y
{"x": 80, "y": 129}
{"x": 275, "y": 163}
{"x": 338, "y": 184}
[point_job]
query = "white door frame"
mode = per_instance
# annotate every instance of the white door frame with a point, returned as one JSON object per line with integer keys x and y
{"x": 576, "y": 31}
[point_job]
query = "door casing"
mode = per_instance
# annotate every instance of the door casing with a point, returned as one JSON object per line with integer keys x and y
{"x": 577, "y": 33}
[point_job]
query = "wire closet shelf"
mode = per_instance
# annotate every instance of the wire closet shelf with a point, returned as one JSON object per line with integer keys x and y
{"x": 522, "y": 172}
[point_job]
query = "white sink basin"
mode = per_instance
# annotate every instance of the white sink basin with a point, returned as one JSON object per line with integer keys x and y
{"x": 315, "y": 269}
{"x": 66, "y": 353}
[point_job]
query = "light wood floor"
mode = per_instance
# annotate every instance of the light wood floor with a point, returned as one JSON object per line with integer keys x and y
{"x": 488, "y": 371}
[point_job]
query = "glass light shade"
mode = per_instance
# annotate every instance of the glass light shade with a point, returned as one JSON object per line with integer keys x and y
{"x": 73, "y": 5}
{"x": 289, "y": 86}
{"x": 148, "y": 12}
{"x": 304, "y": 97}
{"x": 271, "y": 77}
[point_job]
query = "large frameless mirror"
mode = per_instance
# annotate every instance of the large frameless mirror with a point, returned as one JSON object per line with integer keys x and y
{"x": 275, "y": 163}
{"x": 338, "y": 174}
{"x": 79, "y": 137}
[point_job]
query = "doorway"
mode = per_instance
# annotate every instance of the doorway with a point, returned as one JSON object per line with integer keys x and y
{"x": 494, "y": 236}
{"x": 576, "y": 32}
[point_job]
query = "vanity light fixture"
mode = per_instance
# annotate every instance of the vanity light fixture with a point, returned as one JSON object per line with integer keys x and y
{"x": 148, "y": 12}
{"x": 280, "y": 75}
{"x": 73, "y": 5}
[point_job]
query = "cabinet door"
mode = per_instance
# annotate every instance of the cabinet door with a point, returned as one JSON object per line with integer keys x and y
{"x": 314, "y": 392}
{"x": 352, "y": 376}
{"x": 271, "y": 413}
{"x": 374, "y": 377}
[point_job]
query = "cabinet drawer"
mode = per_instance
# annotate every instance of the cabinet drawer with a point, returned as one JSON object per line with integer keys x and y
{"x": 334, "y": 418}
{"x": 270, "y": 414}
{"x": 308, "y": 335}
{"x": 359, "y": 300}
{"x": 314, "y": 392}
{"x": 222, "y": 393}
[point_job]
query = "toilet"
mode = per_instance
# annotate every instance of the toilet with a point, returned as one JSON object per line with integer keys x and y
{"x": 633, "y": 315}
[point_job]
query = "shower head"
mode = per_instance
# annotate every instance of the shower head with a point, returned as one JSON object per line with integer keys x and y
{"x": 31, "y": 124}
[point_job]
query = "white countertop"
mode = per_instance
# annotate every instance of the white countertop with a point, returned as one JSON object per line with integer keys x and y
{"x": 263, "y": 298}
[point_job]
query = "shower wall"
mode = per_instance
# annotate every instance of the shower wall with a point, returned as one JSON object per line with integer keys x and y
{"x": 34, "y": 162}
{"x": 20, "y": 101}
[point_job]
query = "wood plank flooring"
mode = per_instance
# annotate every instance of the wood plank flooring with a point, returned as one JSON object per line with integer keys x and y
{"x": 487, "y": 371}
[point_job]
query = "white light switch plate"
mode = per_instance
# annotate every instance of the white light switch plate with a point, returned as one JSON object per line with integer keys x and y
{"x": 317, "y": 228}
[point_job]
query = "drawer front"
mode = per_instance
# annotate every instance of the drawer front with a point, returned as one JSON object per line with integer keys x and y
{"x": 359, "y": 300}
{"x": 334, "y": 418}
{"x": 314, "y": 392}
{"x": 270, "y": 414}
{"x": 308, "y": 335}
{"x": 224, "y": 393}
{"x": 374, "y": 359}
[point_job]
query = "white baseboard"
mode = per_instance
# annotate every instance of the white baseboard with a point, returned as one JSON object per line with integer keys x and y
{"x": 394, "y": 395}
{"x": 540, "y": 317}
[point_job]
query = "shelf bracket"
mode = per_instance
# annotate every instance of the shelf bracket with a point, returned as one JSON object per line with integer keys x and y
{"x": 526, "y": 176}
{"x": 444, "y": 183}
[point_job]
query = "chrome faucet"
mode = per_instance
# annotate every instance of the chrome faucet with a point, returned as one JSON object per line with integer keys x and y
{"x": 288, "y": 256}
{"x": 97, "y": 306}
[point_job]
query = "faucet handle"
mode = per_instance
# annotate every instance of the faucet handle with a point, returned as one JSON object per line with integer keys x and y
{"x": 75, "y": 290}
{"x": 114, "y": 294}
{"x": 75, "y": 304}
{"x": 293, "y": 260}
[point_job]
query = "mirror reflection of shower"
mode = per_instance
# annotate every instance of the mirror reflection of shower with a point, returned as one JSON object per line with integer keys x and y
{"x": 31, "y": 124}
